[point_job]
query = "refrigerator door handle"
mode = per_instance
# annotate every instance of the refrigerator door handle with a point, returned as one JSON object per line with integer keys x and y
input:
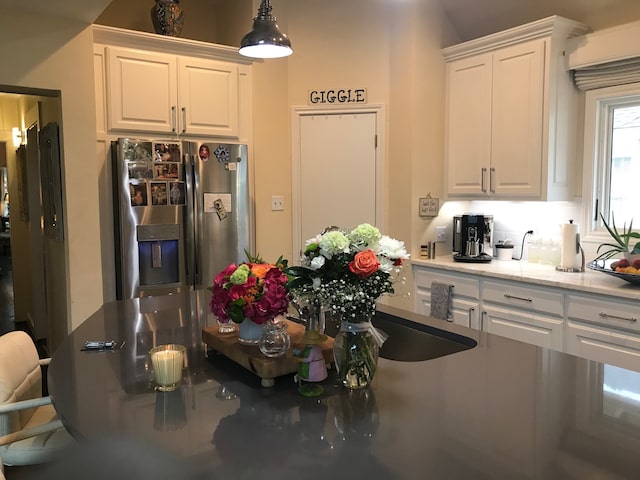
{"x": 191, "y": 233}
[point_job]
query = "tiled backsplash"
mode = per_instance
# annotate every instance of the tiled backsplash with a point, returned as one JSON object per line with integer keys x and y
{"x": 511, "y": 221}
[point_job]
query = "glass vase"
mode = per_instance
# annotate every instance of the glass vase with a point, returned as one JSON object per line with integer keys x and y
{"x": 311, "y": 313}
{"x": 355, "y": 352}
{"x": 275, "y": 340}
{"x": 249, "y": 332}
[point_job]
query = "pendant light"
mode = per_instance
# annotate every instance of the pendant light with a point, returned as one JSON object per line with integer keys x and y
{"x": 265, "y": 40}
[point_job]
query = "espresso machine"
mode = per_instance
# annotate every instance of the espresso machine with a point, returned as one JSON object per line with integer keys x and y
{"x": 473, "y": 238}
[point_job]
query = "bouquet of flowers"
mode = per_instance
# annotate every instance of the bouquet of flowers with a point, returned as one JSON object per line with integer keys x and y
{"x": 257, "y": 291}
{"x": 348, "y": 271}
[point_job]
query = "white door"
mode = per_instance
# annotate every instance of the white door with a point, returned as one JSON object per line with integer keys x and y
{"x": 338, "y": 172}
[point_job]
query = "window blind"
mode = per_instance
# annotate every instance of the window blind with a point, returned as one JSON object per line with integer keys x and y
{"x": 609, "y": 74}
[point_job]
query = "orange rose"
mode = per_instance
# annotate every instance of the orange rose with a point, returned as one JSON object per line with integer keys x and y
{"x": 260, "y": 269}
{"x": 364, "y": 263}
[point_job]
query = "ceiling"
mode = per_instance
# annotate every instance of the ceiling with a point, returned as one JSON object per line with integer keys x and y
{"x": 475, "y": 18}
{"x": 470, "y": 18}
{"x": 85, "y": 11}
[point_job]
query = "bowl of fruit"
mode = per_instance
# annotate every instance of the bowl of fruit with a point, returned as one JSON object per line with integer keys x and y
{"x": 624, "y": 269}
{"x": 624, "y": 243}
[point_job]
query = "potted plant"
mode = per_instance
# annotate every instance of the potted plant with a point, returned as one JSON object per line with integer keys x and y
{"x": 622, "y": 241}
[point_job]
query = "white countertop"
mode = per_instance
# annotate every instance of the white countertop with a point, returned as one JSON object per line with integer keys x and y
{"x": 588, "y": 281}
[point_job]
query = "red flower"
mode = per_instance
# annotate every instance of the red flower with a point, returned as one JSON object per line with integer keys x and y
{"x": 261, "y": 297}
{"x": 364, "y": 263}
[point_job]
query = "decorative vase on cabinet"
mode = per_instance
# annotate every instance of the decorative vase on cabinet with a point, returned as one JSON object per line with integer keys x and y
{"x": 167, "y": 17}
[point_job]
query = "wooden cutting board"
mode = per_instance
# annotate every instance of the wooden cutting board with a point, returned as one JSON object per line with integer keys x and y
{"x": 251, "y": 358}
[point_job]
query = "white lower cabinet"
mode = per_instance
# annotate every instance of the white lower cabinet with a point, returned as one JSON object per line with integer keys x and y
{"x": 523, "y": 312}
{"x": 534, "y": 328}
{"x": 606, "y": 331}
{"x": 603, "y": 328}
{"x": 465, "y": 301}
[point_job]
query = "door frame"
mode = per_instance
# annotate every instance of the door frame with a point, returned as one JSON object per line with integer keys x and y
{"x": 297, "y": 114}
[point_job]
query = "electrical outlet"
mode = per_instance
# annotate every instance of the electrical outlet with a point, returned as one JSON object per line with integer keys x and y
{"x": 277, "y": 203}
{"x": 441, "y": 234}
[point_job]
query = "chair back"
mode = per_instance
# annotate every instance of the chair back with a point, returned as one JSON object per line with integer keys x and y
{"x": 20, "y": 377}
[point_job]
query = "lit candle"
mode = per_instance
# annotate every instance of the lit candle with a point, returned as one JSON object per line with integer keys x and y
{"x": 167, "y": 366}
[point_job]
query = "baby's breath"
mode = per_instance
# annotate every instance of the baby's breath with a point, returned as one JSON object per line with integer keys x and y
{"x": 325, "y": 271}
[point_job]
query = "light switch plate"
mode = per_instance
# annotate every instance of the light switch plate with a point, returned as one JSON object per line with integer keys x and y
{"x": 441, "y": 234}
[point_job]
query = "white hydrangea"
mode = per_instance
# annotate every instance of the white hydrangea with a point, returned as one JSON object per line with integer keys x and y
{"x": 333, "y": 243}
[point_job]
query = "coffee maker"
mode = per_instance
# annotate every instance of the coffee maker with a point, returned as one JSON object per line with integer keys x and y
{"x": 473, "y": 238}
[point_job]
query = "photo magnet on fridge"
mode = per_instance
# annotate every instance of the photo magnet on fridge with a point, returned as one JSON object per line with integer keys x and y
{"x": 220, "y": 210}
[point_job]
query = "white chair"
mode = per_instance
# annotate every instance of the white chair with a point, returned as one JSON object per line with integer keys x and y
{"x": 30, "y": 430}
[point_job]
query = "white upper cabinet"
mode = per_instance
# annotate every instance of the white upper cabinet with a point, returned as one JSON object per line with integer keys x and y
{"x": 468, "y": 124}
{"x": 208, "y": 95}
{"x": 142, "y": 91}
{"x": 511, "y": 111}
{"x": 169, "y": 85}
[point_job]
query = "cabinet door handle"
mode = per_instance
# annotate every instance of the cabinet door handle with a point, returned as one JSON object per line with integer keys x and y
{"x": 173, "y": 118}
{"x": 483, "y": 187}
{"x": 184, "y": 119}
{"x": 482, "y": 321}
{"x": 508, "y": 295}
{"x": 492, "y": 172}
{"x": 626, "y": 319}
{"x": 471, "y": 310}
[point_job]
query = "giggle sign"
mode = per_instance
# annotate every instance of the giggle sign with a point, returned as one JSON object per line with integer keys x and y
{"x": 339, "y": 96}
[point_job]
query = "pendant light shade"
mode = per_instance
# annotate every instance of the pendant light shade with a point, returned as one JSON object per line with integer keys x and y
{"x": 265, "y": 40}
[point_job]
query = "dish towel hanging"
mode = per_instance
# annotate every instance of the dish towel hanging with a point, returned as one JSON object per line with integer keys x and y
{"x": 441, "y": 300}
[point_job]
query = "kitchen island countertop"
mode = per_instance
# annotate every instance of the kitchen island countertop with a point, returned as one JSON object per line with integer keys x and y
{"x": 500, "y": 410}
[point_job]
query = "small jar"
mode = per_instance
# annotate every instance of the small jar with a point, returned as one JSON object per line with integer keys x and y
{"x": 275, "y": 340}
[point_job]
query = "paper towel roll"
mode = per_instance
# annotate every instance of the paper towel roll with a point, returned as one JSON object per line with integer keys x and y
{"x": 570, "y": 253}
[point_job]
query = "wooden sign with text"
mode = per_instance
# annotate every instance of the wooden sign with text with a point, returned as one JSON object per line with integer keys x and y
{"x": 342, "y": 96}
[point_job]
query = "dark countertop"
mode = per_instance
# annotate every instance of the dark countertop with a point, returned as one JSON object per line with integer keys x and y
{"x": 503, "y": 409}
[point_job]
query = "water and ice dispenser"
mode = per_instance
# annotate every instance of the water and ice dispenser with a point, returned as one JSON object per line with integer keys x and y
{"x": 158, "y": 254}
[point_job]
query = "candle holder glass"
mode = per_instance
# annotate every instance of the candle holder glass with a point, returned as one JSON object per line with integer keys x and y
{"x": 168, "y": 362}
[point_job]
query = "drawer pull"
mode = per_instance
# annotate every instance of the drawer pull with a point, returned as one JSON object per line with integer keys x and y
{"x": 508, "y": 295}
{"x": 626, "y": 319}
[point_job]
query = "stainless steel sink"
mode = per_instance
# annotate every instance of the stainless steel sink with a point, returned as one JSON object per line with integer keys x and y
{"x": 414, "y": 342}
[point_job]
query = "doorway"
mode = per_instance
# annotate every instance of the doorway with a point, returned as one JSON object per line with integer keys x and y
{"x": 338, "y": 165}
{"x": 36, "y": 261}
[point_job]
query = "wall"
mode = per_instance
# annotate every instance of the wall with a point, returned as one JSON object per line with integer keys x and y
{"x": 395, "y": 54}
{"x": 215, "y": 21}
{"x": 57, "y": 55}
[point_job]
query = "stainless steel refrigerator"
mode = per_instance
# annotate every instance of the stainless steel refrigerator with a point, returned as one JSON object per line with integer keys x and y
{"x": 182, "y": 213}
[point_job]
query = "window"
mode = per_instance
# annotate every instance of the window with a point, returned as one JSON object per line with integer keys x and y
{"x": 612, "y": 157}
